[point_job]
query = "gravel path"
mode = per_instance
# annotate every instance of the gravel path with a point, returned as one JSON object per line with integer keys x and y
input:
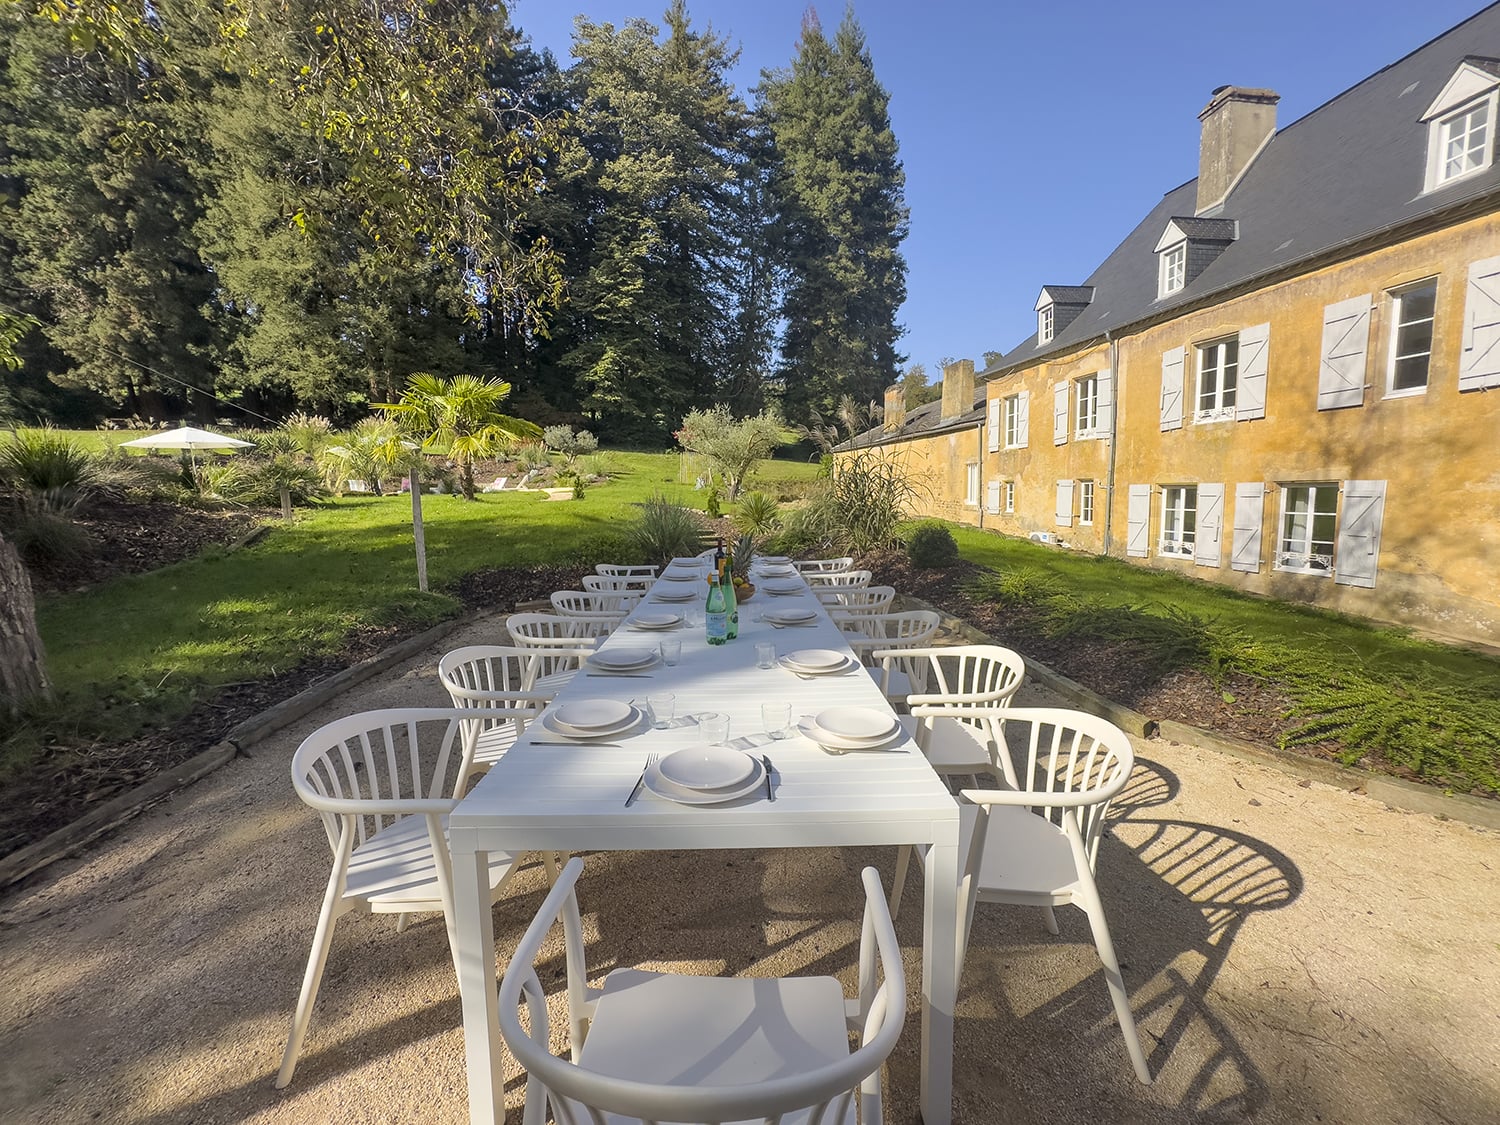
{"x": 1295, "y": 953}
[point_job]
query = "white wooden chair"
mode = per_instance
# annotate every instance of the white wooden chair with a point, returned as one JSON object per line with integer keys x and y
{"x": 1035, "y": 842}
{"x": 584, "y": 603}
{"x": 620, "y": 570}
{"x": 824, "y": 566}
{"x": 883, "y": 636}
{"x": 837, "y": 580}
{"x": 849, "y": 607}
{"x": 956, "y": 676}
{"x": 599, "y": 583}
{"x": 497, "y": 676}
{"x": 559, "y": 640}
{"x": 658, "y": 1047}
{"x": 383, "y": 783}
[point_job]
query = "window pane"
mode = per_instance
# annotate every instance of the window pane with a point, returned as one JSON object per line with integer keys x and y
{"x": 1418, "y": 304}
{"x": 1410, "y": 373}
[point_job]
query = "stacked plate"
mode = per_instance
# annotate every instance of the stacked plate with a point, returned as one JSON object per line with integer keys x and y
{"x": 674, "y": 594}
{"x": 621, "y": 659}
{"x": 705, "y": 775}
{"x": 682, "y": 576}
{"x": 782, "y": 586}
{"x": 777, "y": 570}
{"x": 779, "y": 559}
{"x": 689, "y": 562}
{"x": 592, "y": 718}
{"x": 817, "y": 661}
{"x": 791, "y": 616}
{"x": 851, "y": 728}
{"x": 656, "y": 621}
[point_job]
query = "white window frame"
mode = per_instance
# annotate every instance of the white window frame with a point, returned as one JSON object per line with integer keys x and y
{"x": 1300, "y": 554}
{"x": 1220, "y": 410}
{"x": 1045, "y": 320}
{"x": 1086, "y": 503}
{"x": 1012, "y": 412}
{"x": 1441, "y": 134}
{"x": 1086, "y": 412}
{"x": 1171, "y": 274}
{"x": 1178, "y": 503}
{"x": 1398, "y": 297}
{"x": 1008, "y": 492}
{"x": 971, "y": 494}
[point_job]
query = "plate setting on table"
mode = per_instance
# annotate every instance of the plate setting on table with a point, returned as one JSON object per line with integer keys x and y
{"x": 818, "y": 662}
{"x": 675, "y": 595}
{"x": 656, "y": 621}
{"x": 791, "y": 616}
{"x": 695, "y": 576}
{"x": 778, "y": 570}
{"x": 621, "y": 659}
{"x": 705, "y": 775}
{"x": 851, "y": 728}
{"x": 592, "y": 718}
{"x": 782, "y": 587}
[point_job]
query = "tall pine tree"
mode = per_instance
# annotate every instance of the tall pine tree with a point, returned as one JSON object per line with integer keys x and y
{"x": 843, "y": 216}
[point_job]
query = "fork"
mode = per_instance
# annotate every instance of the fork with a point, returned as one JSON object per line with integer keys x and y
{"x": 651, "y": 760}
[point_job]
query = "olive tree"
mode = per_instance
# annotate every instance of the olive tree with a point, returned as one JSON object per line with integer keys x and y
{"x": 731, "y": 447}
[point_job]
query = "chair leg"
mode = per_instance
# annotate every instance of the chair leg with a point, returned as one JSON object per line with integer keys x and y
{"x": 402, "y": 921}
{"x": 1112, "y": 976}
{"x": 1051, "y": 920}
{"x": 551, "y": 862}
{"x": 311, "y": 979}
{"x": 903, "y": 861}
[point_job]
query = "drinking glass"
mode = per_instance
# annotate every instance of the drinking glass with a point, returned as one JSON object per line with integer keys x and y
{"x": 765, "y": 655}
{"x": 714, "y": 726}
{"x": 663, "y": 709}
{"x": 671, "y": 651}
{"x": 777, "y": 717}
{"x": 693, "y": 617}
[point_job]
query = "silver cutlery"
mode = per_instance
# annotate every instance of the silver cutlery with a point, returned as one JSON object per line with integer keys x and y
{"x": 765, "y": 761}
{"x": 568, "y": 742}
{"x": 651, "y": 760}
{"x": 618, "y": 675}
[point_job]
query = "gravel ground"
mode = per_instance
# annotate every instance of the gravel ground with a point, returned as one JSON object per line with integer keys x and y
{"x": 1295, "y": 953}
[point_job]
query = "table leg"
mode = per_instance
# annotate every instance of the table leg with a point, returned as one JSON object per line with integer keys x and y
{"x": 475, "y": 958}
{"x": 940, "y": 969}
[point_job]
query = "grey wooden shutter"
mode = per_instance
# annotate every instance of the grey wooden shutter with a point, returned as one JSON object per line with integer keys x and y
{"x": 1138, "y": 521}
{"x": 1346, "y": 344}
{"x": 1209, "y": 532}
{"x": 992, "y": 497}
{"x": 1171, "y": 388}
{"x": 1064, "y": 503}
{"x": 1023, "y": 419}
{"x": 1106, "y": 403}
{"x": 993, "y": 425}
{"x": 1250, "y": 401}
{"x": 1479, "y": 357}
{"x": 1362, "y": 512}
{"x": 1060, "y": 413}
{"x": 1249, "y": 510}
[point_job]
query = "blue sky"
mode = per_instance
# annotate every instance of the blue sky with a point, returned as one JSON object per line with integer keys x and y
{"x": 1035, "y": 136}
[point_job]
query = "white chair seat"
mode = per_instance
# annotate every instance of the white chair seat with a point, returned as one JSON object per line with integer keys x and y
{"x": 493, "y": 744}
{"x": 392, "y": 872}
{"x": 954, "y": 747}
{"x": 672, "y": 1030}
{"x": 896, "y": 688}
{"x": 1024, "y": 855}
{"x": 554, "y": 682}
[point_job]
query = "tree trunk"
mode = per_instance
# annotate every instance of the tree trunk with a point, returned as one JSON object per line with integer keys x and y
{"x": 23, "y": 663}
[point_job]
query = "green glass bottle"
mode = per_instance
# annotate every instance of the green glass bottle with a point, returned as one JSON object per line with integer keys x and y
{"x": 726, "y": 583}
{"x": 716, "y": 614}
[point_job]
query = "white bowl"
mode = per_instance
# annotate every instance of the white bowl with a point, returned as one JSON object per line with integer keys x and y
{"x": 707, "y": 767}
{"x": 593, "y": 714}
{"x": 856, "y": 724}
{"x": 816, "y": 659}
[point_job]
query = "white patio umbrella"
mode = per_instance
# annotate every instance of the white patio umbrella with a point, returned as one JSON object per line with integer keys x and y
{"x": 189, "y": 438}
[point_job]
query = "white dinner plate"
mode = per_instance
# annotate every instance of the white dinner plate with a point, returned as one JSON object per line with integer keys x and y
{"x": 816, "y": 659}
{"x": 622, "y": 659}
{"x": 690, "y": 561}
{"x": 682, "y": 578}
{"x": 783, "y": 587}
{"x": 676, "y": 595}
{"x": 848, "y": 665}
{"x": 657, "y": 621}
{"x": 701, "y": 768}
{"x": 790, "y": 616}
{"x": 659, "y": 785}
{"x": 856, "y": 724}
{"x": 557, "y": 726}
{"x": 814, "y": 733}
{"x": 592, "y": 714}
{"x": 778, "y": 570}
{"x": 778, "y": 560}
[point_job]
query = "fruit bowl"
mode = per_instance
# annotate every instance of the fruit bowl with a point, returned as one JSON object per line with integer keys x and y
{"x": 743, "y": 591}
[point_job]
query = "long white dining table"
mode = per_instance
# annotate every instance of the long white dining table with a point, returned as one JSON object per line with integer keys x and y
{"x": 542, "y": 796}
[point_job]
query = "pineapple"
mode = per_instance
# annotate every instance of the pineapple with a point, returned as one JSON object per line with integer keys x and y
{"x": 741, "y": 558}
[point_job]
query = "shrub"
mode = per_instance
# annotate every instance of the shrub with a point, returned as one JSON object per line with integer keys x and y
{"x": 859, "y": 507}
{"x": 48, "y": 471}
{"x": 757, "y": 514}
{"x": 41, "y": 536}
{"x": 596, "y": 466}
{"x": 569, "y": 444}
{"x": 533, "y": 457}
{"x": 1021, "y": 585}
{"x": 713, "y": 501}
{"x": 310, "y": 432}
{"x": 931, "y": 547}
{"x": 663, "y": 531}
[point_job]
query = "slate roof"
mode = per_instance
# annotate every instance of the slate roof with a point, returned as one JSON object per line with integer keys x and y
{"x": 1214, "y": 230}
{"x": 1069, "y": 294}
{"x": 1349, "y": 170}
{"x": 924, "y": 420}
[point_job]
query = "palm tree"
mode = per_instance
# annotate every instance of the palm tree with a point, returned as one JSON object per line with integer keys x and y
{"x": 461, "y": 413}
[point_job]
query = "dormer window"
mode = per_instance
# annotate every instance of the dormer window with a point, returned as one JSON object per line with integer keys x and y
{"x": 1044, "y": 322}
{"x": 1461, "y": 123}
{"x": 1172, "y": 274}
{"x": 1059, "y": 306}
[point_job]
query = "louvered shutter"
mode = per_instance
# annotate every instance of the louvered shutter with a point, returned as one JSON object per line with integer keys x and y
{"x": 1479, "y": 357}
{"x": 1346, "y": 344}
{"x": 1359, "y": 532}
{"x": 993, "y": 425}
{"x": 992, "y": 497}
{"x": 1171, "y": 388}
{"x": 1209, "y": 532}
{"x": 1250, "y": 401}
{"x": 1023, "y": 419}
{"x": 1249, "y": 510}
{"x": 1060, "y": 413}
{"x": 1106, "y": 403}
{"x": 1138, "y": 521}
{"x": 1064, "y": 503}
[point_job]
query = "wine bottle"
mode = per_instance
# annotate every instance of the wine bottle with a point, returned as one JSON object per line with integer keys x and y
{"x": 716, "y": 613}
{"x": 719, "y": 556}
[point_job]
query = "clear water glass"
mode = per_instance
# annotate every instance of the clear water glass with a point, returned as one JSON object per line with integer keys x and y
{"x": 777, "y": 718}
{"x": 765, "y": 655}
{"x": 671, "y": 651}
{"x": 714, "y": 727}
{"x": 663, "y": 709}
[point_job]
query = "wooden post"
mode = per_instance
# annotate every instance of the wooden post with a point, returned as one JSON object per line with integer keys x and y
{"x": 23, "y": 662}
{"x": 416, "y": 525}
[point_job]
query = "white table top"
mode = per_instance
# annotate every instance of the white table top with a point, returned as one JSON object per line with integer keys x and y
{"x": 572, "y": 797}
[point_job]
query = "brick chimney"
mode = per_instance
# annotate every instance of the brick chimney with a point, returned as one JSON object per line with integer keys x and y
{"x": 1236, "y": 123}
{"x": 895, "y": 408}
{"x": 958, "y": 388}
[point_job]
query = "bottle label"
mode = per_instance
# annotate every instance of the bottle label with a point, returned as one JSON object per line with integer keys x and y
{"x": 718, "y": 627}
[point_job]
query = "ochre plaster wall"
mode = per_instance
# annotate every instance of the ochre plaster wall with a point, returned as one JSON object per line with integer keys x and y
{"x": 937, "y": 467}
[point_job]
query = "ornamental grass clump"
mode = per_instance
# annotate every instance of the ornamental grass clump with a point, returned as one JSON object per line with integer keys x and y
{"x": 664, "y": 530}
